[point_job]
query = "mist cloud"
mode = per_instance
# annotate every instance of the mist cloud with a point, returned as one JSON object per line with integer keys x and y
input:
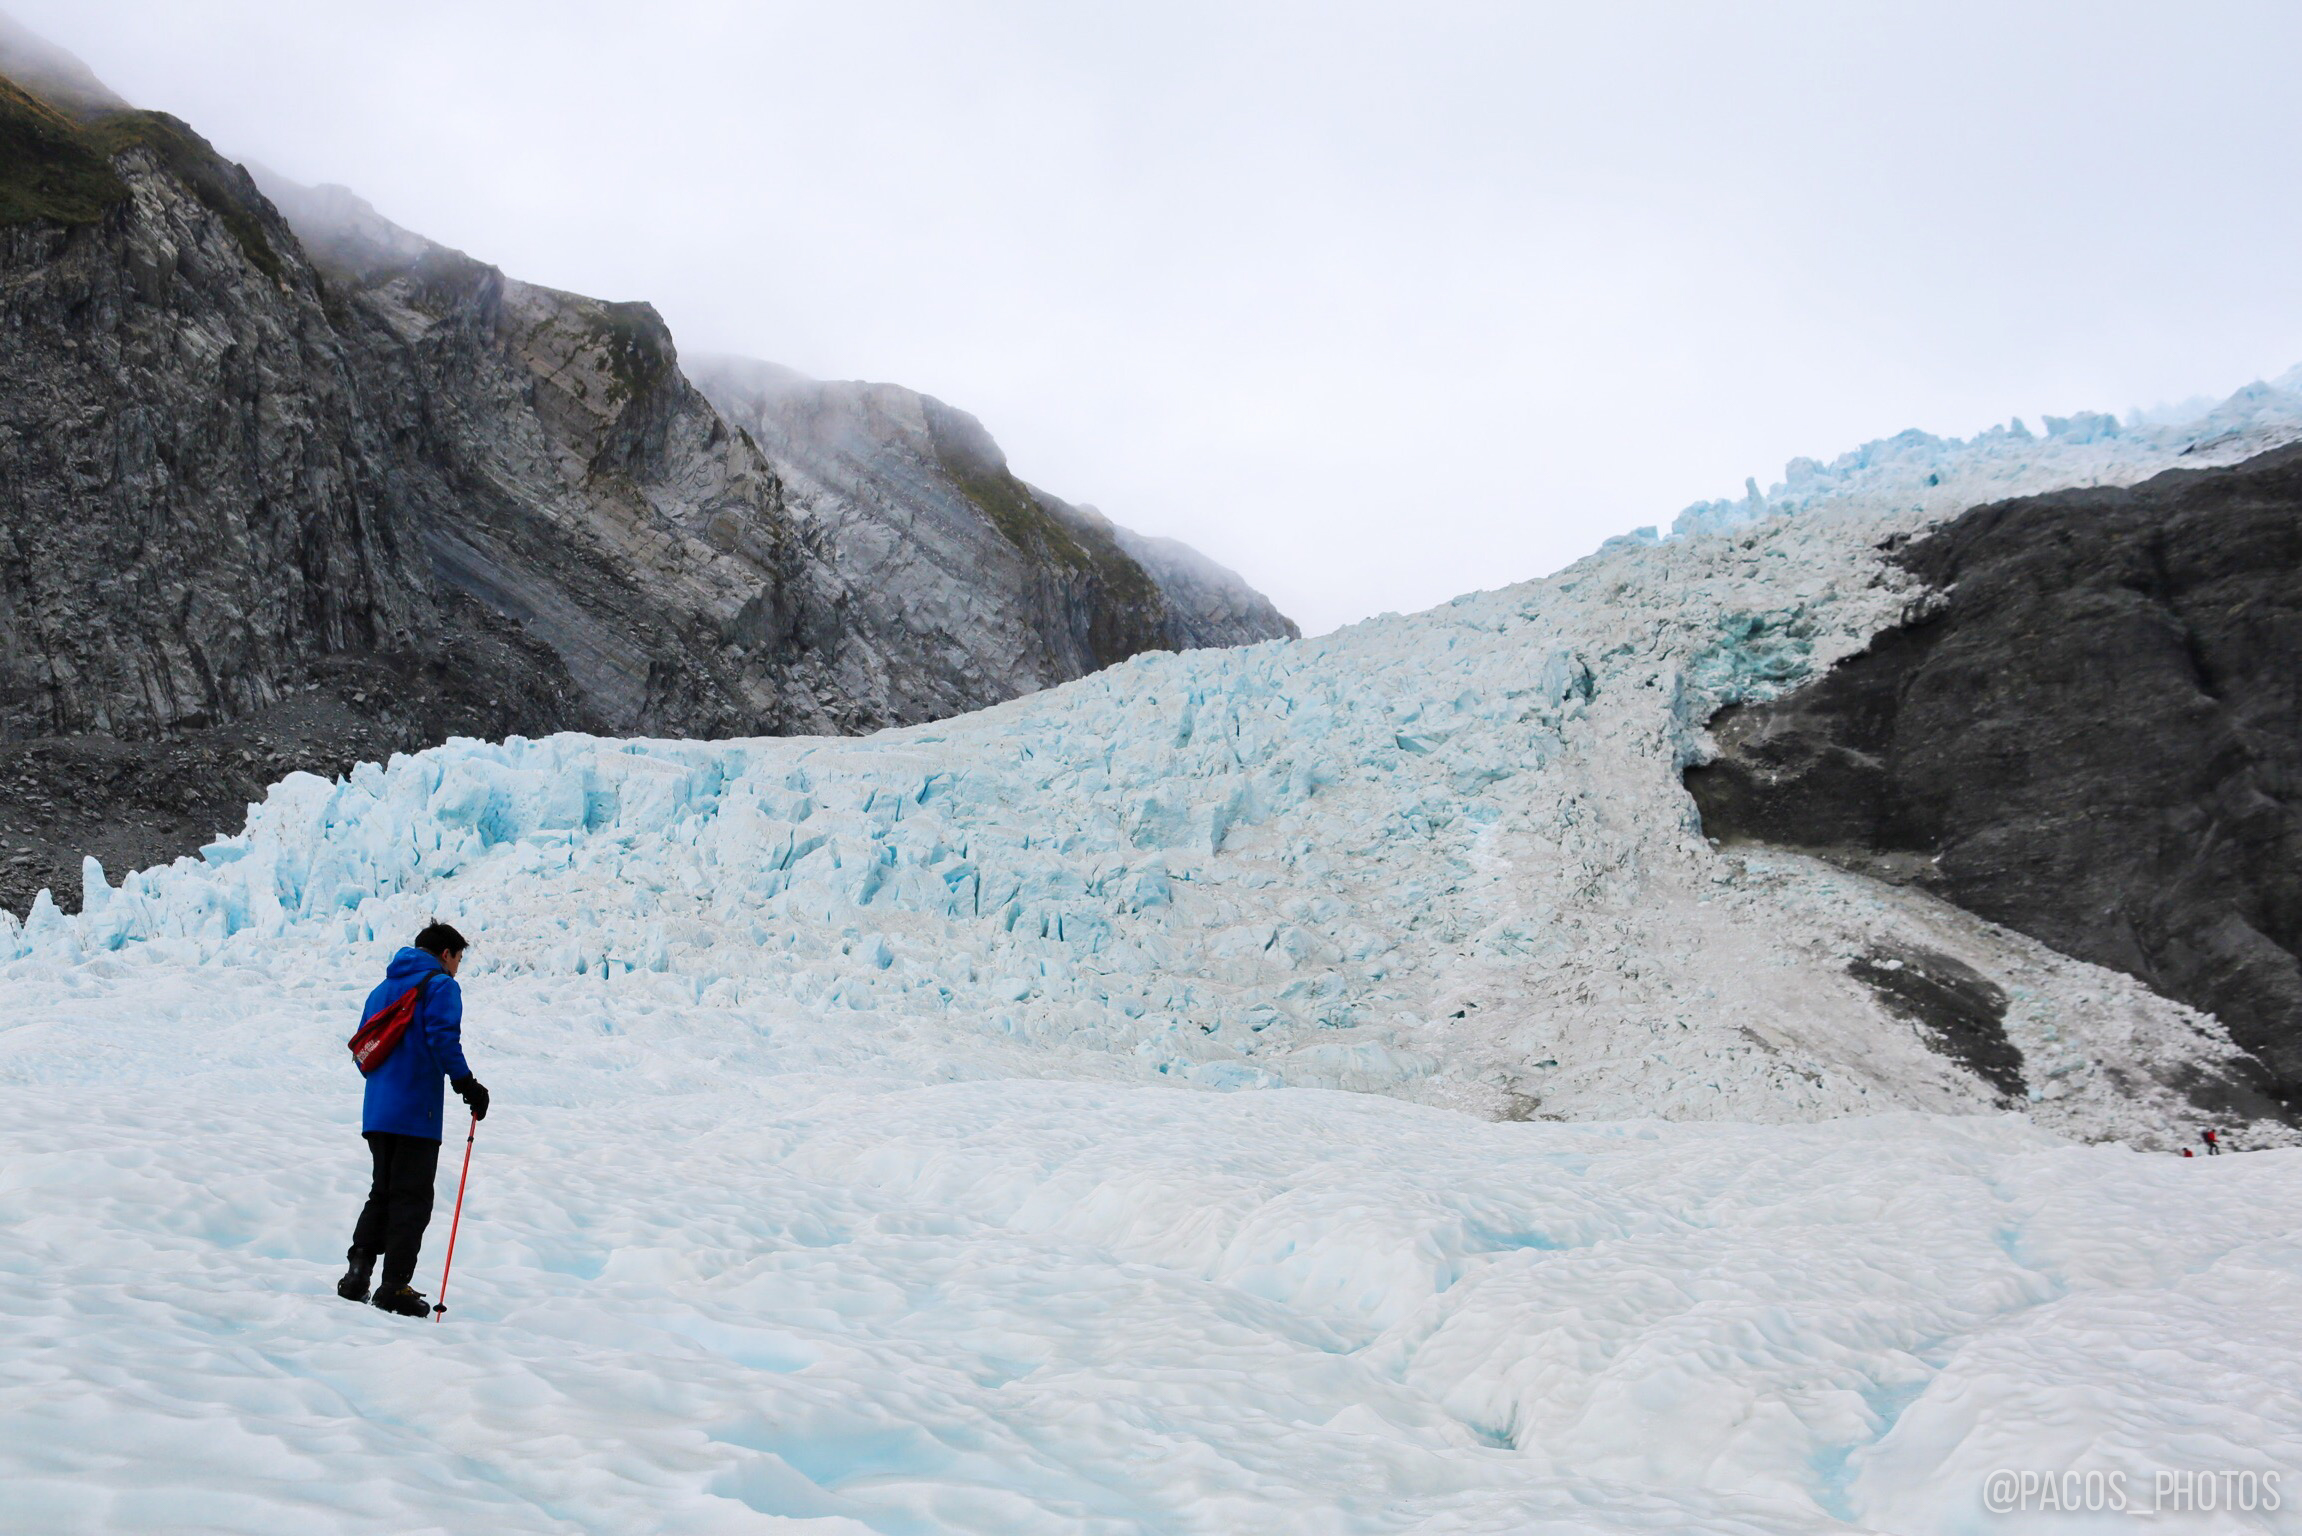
{"x": 1376, "y": 304}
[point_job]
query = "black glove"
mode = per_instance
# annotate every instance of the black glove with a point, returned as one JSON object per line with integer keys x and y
{"x": 474, "y": 1093}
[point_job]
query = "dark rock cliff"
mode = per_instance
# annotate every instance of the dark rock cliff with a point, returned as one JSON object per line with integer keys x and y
{"x": 2093, "y": 736}
{"x": 559, "y": 471}
{"x": 283, "y": 486}
{"x": 207, "y": 576}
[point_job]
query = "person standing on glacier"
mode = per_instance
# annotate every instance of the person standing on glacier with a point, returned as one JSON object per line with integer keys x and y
{"x": 401, "y": 1117}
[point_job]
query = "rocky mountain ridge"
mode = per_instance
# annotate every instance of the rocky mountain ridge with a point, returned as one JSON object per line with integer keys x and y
{"x": 914, "y": 506}
{"x": 289, "y": 487}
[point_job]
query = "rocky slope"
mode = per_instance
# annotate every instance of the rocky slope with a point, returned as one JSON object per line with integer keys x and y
{"x": 1002, "y": 587}
{"x": 846, "y": 556}
{"x": 2092, "y": 733}
{"x": 295, "y": 491}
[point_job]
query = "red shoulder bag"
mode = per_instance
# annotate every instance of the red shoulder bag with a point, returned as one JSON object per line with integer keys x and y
{"x": 380, "y": 1031}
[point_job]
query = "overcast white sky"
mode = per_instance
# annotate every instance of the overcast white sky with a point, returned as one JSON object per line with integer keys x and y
{"x": 1377, "y": 303}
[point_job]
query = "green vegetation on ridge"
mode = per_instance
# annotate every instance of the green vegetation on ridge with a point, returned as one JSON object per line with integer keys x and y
{"x": 58, "y": 169}
{"x": 637, "y": 343}
{"x": 1128, "y": 620}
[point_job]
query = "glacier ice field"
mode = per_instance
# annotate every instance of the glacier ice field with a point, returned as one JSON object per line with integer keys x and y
{"x": 1331, "y": 1086}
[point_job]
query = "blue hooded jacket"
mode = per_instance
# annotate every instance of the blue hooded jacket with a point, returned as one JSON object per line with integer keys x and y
{"x": 404, "y": 1094}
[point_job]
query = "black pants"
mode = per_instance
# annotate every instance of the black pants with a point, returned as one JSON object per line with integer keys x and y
{"x": 399, "y": 1203}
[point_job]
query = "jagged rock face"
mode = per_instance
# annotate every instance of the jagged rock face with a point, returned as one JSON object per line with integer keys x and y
{"x": 277, "y": 469}
{"x": 574, "y": 482}
{"x": 191, "y": 507}
{"x": 980, "y": 583}
{"x": 2094, "y": 736}
{"x": 210, "y": 568}
{"x": 222, "y": 466}
{"x": 847, "y": 557}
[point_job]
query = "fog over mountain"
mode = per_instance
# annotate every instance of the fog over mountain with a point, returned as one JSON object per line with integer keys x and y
{"x": 1275, "y": 280}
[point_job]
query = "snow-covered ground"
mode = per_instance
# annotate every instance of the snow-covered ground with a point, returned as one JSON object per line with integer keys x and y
{"x": 861, "y": 1155}
{"x": 695, "y": 1288}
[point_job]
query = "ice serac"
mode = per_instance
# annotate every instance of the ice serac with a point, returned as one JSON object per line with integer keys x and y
{"x": 1447, "y": 857}
{"x": 991, "y": 583}
{"x": 292, "y": 487}
{"x": 2090, "y": 731}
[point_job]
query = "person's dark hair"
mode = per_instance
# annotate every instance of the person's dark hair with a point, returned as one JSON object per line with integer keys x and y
{"x": 440, "y": 939}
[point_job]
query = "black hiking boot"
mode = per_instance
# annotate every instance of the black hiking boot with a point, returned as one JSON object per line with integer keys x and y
{"x": 403, "y": 1299}
{"x": 354, "y": 1285}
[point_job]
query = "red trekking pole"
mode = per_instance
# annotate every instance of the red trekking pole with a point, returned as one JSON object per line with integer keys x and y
{"x": 440, "y": 1307}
